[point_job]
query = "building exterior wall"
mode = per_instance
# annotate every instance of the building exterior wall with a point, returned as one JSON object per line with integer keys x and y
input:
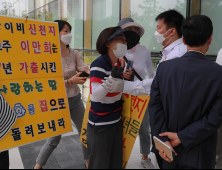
{"x": 89, "y": 17}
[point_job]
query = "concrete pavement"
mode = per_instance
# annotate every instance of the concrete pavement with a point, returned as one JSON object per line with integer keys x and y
{"x": 67, "y": 155}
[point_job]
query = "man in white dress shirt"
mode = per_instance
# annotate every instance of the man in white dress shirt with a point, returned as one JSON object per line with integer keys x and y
{"x": 169, "y": 35}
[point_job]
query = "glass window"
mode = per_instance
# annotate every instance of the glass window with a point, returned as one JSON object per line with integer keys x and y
{"x": 31, "y": 5}
{"x": 48, "y": 15}
{"x": 2, "y": 4}
{"x": 53, "y": 10}
{"x": 31, "y": 15}
{"x": 105, "y": 13}
{"x": 39, "y": 3}
{"x": 4, "y": 7}
{"x": 213, "y": 9}
{"x": 11, "y": 8}
{"x": 144, "y": 12}
{"x": 75, "y": 18}
{"x": 22, "y": 8}
{"x": 40, "y": 14}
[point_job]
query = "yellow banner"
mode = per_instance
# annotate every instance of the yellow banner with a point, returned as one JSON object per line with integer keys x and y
{"x": 131, "y": 124}
{"x": 32, "y": 80}
{"x": 83, "y": 135}
{"x": 127, "y": 102}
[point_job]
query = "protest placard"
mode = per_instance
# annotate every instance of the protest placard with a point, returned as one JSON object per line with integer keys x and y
{"x": 32, "y": 80}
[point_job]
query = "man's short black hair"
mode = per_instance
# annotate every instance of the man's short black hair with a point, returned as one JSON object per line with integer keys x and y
{"x": 196, "y": 30}
{"x": 173, "y": 19}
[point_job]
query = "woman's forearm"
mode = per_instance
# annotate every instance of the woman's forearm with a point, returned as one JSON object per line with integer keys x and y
{"x": 98, "y": 92}
{"x": 67, "y": 82}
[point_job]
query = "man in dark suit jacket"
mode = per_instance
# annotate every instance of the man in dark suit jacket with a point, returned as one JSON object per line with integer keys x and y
{"x": 186, "y": 100}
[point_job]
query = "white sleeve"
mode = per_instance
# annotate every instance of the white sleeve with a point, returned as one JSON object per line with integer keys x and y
{"x": 98, "y": 92}
{"x": 138, "y": 88}
{"x": 149, "y": 66}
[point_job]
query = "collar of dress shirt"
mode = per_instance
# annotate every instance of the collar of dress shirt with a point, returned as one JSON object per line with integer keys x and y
{"x": 196, "y": 51}
{"x": 168, "y": 49}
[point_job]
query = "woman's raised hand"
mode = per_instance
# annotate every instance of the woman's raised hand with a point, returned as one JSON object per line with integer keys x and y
{"x": 117, "y": 72}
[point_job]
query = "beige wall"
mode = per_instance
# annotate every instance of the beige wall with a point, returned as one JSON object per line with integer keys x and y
{"x": 195, "y": 7}
{"x": 125, "y": 8}
{"x": 88, "y": 20}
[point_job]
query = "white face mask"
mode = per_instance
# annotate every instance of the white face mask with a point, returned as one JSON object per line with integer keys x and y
{"x": 160, "y": 37}
{"x": 120, "y": 51}
{"x": 66, "y": 39}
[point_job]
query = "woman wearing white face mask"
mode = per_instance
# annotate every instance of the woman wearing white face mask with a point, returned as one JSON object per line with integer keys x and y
{"x": 72, "y": 63}
{"x": 104, "y": 131}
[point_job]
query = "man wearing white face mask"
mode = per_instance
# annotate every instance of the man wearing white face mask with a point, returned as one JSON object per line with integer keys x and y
{"x": 168, "y": 34}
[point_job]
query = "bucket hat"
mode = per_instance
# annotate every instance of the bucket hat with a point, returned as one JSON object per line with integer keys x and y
{"x": 129, "y": 22}
{"x": 132, "y": 38}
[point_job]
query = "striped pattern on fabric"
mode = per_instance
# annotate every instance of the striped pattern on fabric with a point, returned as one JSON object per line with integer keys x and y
{"x": 101, "y": 70}
{"x": 107, "y": 112}
{"x": 7, "y": 117}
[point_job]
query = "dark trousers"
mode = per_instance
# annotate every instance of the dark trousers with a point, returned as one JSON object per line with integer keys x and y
{"x": 174, "y": 165}
{"x": 166, "y": 165}
{"x": 4, "y": 160}
{"x": 159, "y": 160}
{"x": 105, "y": 147}
{"x": 219, "y": 149}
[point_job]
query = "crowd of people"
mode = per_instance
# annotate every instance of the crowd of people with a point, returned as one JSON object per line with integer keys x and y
{"x": 185, "y": 108}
